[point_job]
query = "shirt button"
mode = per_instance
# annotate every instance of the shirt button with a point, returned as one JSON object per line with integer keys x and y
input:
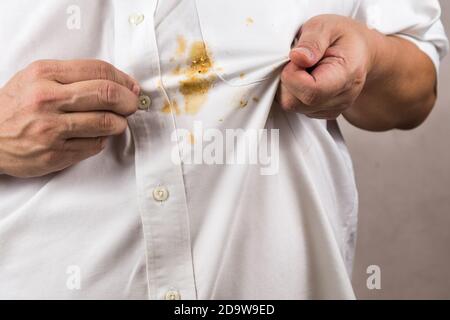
{"x": 136, "y": 19}
{"x": 160, "y": 194}
{"x": 173, "y": 295}
{"x": 144, "y": 102}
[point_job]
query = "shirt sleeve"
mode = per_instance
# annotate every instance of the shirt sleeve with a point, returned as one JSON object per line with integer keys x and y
{"x": 415, "y": 20}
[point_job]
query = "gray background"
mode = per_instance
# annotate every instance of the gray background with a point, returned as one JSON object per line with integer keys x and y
{"x": 404, "y": 184}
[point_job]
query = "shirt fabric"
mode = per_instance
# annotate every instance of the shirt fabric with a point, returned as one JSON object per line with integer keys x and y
{"x": 134, "y": 223}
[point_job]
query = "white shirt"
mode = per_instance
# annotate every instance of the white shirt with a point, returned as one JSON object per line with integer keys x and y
{"x": 134, "y": 221}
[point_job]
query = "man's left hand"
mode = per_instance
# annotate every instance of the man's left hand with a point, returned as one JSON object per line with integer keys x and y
{"x": 329, "y": 67}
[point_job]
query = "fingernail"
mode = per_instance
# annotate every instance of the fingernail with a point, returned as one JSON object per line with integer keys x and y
{"x": 305, "y": 51}
{"x": 136, "y": 89}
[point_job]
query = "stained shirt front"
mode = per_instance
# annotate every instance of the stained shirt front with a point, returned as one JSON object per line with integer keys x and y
{"x": 213, "y": 192}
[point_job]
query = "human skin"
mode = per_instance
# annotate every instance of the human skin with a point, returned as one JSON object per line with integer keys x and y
{"x": 58, "y": 113}
{"x": 340, "y": 66}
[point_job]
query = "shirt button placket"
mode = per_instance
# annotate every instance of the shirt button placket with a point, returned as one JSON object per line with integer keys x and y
{"x": 162, "y": 195}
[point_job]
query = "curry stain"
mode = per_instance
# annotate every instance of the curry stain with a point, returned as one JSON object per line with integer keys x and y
{"x": 181, "y": 48}
{"x": 170, "y": 107}
{"x": 195, "y": 92}
{"x": 255, "y": 99}
{"x": 197, "y": 82}
{"x": 199, "y": 60}
{"x": 243, "y": 103}
{"x": 177, "y": 70}
{"x": 167, "y": 108}
{"x": 191, "y": 138}
{"x": 249, "y": 21}
{"x": 242, "y": 75}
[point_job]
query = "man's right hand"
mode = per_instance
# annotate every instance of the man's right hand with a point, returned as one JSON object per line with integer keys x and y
{"x": 54, "y": 114}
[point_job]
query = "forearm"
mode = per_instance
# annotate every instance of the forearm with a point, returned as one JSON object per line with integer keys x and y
{"x": 400, "y": 90}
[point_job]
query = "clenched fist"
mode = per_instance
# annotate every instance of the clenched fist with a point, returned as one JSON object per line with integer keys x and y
{"x": 329, "y": 67}
{"x": 54, "y": 114}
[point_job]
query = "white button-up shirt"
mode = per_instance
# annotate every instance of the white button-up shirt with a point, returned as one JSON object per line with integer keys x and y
{"x": 213, "y": 192}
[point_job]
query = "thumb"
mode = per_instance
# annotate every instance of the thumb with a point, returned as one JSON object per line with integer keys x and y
{"x": 314, "y": 39}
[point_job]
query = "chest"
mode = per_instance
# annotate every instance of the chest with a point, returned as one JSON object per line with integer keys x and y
{"x": 245, "y": 39}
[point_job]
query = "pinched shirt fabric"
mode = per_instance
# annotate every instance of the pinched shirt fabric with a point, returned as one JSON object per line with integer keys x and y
{"x": 167, "y": 211}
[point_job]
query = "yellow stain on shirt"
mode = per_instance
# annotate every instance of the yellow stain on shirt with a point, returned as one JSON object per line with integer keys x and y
{"x": 181, "y": 48}
{"x": 171, "y": 107}
{"x": 177, "y": 70}
{"x": 199, "y": 60}
{"x": 191, "y": 138}
{"x": 243, "y": 103}
{"x": 195, "y": 76}
{"x": 198, "y": 80}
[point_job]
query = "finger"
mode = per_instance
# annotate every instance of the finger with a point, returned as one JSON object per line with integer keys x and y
{"x": 99, "y": 95}
{"x": 325, "y": 115}
{"x": 315, "y": 37}
{"x": 331, "y": 75}
{"x": 325, "y": 83}
{"x": 76, "y": 150}
{"x": 87, "y": 146}
{"x": 92, "y": 124}
{"x": 71, "y": 71}
{"x": 289, "y": 102}
{"x": 301, "y": 84}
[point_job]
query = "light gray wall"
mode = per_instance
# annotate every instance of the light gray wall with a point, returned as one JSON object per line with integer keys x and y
{"x": 404, "y": 183}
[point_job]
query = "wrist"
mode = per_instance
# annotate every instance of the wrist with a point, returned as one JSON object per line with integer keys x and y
{"x": 382, "y": 53}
